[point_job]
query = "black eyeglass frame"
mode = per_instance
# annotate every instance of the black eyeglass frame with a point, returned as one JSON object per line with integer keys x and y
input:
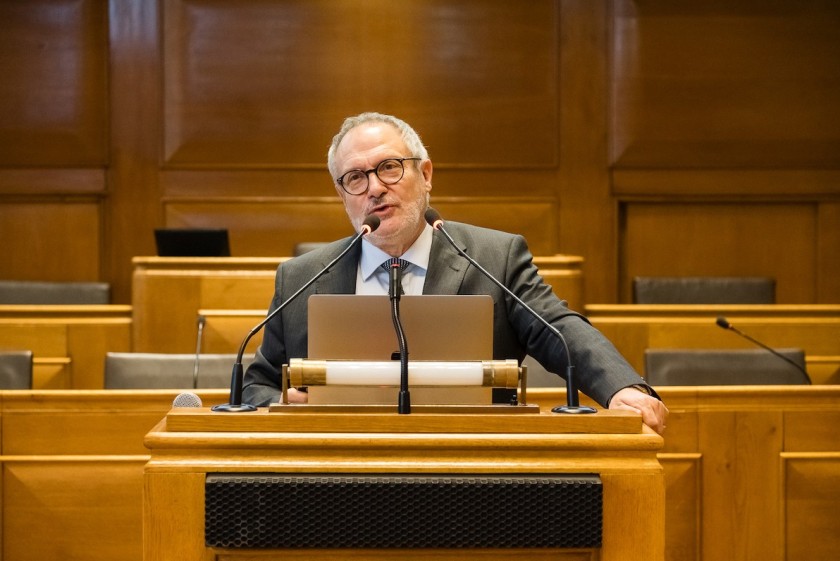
{"x": 375, "y": 170}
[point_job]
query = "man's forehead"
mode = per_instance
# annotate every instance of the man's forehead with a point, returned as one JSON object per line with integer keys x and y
{"x": 369, "y": 137}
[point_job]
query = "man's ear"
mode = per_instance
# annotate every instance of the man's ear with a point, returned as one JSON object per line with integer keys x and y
{"x": 426, "y": 169}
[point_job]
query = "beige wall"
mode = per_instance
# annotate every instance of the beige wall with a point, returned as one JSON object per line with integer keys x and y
{"x": 651, "y": 138}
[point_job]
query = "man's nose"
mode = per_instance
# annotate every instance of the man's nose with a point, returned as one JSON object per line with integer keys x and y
{"x": 375, "y": 186}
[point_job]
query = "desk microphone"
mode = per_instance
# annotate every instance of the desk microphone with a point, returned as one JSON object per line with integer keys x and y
{"x": 201, "y": 321}
{"x": 235, "y": 405}
{"x": 724, "y": 323}
{"x": 572, "y": 403}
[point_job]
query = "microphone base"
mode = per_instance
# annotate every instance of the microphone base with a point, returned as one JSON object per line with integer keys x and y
{"x": 229, "y": 408}
{"x": 574, "y": 409}
{"x": 404, "y": 403}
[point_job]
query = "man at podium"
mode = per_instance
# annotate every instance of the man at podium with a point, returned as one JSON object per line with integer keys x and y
{"x": 381, "y": 168}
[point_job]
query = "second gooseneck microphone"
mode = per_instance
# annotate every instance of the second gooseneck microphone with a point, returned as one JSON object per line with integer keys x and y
{"x": 572, "y": 402}
{"x": 235, "y": 405}
{"x": 724, "y": 323}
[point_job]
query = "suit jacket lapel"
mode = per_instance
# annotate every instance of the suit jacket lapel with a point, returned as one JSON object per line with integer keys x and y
{"x": 341, "y": 278}
{"x": 446, "y": 267}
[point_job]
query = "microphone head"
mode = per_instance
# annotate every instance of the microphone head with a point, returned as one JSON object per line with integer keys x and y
{"x": 186, "y": 399}
{"x": 722, "y": 322}
{"x": 371, "y": 223}
{"x": 433, "y": 217}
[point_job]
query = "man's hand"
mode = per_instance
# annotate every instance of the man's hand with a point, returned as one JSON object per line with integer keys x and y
{"x": 654, "y": 413}
{"x": 297, "y": 396}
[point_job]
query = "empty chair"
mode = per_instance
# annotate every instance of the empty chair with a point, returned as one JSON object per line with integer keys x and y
{"x": 167, "y": 371}
{"x": 15, "y": 370}
{"x": 704, "y": 290}
{"x": 39, "y": 292}
{"x": 716, "y": 367}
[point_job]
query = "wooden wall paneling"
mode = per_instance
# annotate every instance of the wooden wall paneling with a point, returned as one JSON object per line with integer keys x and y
{"x": 722, "y": 239}
{"x": 726, "y": 84}
{"x": 811, "y": 484}
{"x": 806, "y": 431}
{"x": 262, "y": 228}
{"x": 828, "y": 250}
{"x": 53, "y": 100}
{"x": 587, "y": 221}
{"x": 811, "y": 493}
{"x": 741, "y": 495}
{"x": 133, "y": 205}
{"x": 683, "y": 483}
{"x": 224, "y": 106}
{"x": 784, "y": 185}
{"x": 98, "y": 520}
{"x": 50, "y": 240}
{"x": 72, "y": 471}
{"x": 252, "y": 131}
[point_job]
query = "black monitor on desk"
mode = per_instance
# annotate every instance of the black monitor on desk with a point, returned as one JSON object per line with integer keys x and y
{"x": 192, "y": 242}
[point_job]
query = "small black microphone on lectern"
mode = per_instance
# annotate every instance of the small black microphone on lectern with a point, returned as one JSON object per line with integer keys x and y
{"x": 724, "y": 323}
{"x": 572, "y": 401}
{"x": 235, "y": 405}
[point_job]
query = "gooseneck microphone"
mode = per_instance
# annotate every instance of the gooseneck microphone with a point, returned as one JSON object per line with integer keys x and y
{"x": 394, "y": 290}
{"x": 235, "y": 405}
{"x": 200, "y": 335}
{"x": 572, "y": 402}
{"x": 724, "y": 323}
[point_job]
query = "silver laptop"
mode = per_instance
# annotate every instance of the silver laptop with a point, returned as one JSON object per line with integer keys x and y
{"x": 355, "y": 327}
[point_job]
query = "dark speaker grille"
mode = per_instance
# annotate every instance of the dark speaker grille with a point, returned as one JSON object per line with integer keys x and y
{"x": 412, "y": 511}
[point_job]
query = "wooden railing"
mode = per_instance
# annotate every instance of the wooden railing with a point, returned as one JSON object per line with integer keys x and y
{"x": 751, "y": 472}
{"x": 168, "y": 292}
{"x": 813, "y": 328}
{"x": 68, "y": 342}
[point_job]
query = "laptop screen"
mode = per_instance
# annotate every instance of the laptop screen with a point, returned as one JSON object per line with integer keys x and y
{"x": 192, "y": 242}
{"x": 445, "y": 327}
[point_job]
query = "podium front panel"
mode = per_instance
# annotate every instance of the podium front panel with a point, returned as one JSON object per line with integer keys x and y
{"x": 335, "y": 511}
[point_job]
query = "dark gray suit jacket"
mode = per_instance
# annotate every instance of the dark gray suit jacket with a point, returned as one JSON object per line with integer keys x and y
{"x": 600, "y": 369}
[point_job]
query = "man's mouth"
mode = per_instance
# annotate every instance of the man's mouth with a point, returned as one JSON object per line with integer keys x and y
{"x": 380, "y": 209}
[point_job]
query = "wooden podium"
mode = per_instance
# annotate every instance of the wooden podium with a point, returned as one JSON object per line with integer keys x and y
{"x": 192, "y": 447}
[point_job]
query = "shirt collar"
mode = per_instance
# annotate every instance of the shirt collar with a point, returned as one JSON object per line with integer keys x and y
{"x": 417, "y": 254}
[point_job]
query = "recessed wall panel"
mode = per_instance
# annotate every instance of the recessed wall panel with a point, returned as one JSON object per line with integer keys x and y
{"x": 722, "y": 239}
{"x": 721, "y": 84}
{"x": 256, "y": 83}
{"x": 53, "y": 91}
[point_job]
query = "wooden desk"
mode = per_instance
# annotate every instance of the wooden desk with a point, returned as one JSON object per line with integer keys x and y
{"x": 814, "y": 328}
{"x": 72, "y": 471}
{"x": 68, "y": 342}
{"x": 751, "y": 472}
{"x": 188, "y": 444}
{"x": 168, "y": 292}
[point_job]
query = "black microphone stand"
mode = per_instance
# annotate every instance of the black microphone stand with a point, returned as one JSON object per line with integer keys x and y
{"x": 235, "y": 405}
{"x": 572, "y": 402}
{"x": 394, "y": 291}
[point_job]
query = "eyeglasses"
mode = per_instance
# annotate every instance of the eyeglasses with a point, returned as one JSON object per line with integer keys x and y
{"x": 357, "y": 181}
